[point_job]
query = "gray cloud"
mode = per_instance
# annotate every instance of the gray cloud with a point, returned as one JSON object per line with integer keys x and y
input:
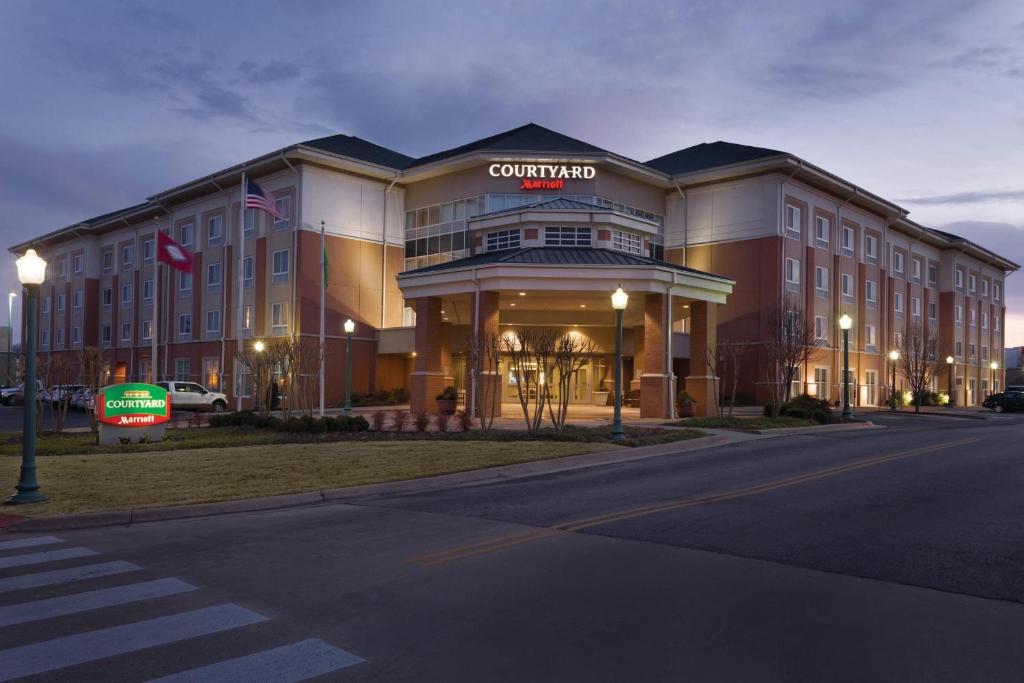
{"x": 270, "y": 72}
{"x": 975, "y": 197}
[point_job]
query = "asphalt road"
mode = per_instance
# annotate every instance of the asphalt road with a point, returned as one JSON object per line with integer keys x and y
{"x": 886, "y": 555}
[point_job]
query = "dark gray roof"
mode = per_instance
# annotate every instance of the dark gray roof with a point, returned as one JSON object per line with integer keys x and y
{"x": 357, "y": 148}
{"x": 709, "y": 155}
{"x": 559, "y": 256}
{"x": 528, "y": 138}
{"x": 559, "y": 203}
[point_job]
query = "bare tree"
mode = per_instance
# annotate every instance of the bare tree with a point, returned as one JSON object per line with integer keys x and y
{"x": 791, "y": 343}
{"x": 723, "y": 359}
{"x": 530, "y": 352}
{"x": 258, "y": 366}
{"x": 917, "y": 361}
{"x": 571, "y": 353}
{"x": 94, "y": 370}
{"x": 484, "y": 355}
{"x": 57, "y": 375}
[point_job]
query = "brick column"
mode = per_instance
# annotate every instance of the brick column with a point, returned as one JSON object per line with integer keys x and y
{"x": 427, "y": 377}
{"x": 703, "y": 335}
{"x": 654, "y": 382}
{"x": 488, "y": 383}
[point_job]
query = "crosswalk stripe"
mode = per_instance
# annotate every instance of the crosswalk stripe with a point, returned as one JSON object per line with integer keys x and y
{"x": 29, "y": 542}
{"x": 83, "y": 602}
{"x": 46, "y": 556}
{"x": 59, "y": 653}
{"x": 57, "y": 576}
{"x": 288, "y": 664}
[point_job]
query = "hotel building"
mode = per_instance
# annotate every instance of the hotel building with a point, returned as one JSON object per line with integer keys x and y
{"x": 526, "y": 228}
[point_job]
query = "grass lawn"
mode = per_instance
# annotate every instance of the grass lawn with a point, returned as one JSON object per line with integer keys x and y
{"x": 132, "y": 480}
{"x": 743, "y": 422}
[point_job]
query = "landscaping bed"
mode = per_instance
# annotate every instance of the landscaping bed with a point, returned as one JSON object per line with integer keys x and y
{"x": 744, "y": 423}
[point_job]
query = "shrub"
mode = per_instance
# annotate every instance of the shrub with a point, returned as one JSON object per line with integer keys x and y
{"x": 400, "y": 395}
{"x": 358, "y": 423}
{"x": 929, "y": 398}
{"x": 401, "y": 420}
{"x": 807, "y": 407}
{"x": 769, "y": 409}
{"x": 421, "y": 422}
{"x": 449, "y": 394}
{"x": 330, "y": 423}
{"x": 377, "y": 420}
{"x": 317, "y": 426}
{"x": 464, "y": 421}
{"x": 294, "y": 425}
{"x": 441, "y": 420}
{"x": 682, "y": 398}
{"x": 384, "y": 397}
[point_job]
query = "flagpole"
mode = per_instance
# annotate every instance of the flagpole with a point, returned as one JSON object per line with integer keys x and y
{"x": 241, "y": 292}
{"x": 156, "y": 299}
{"x": 323, "y": 293}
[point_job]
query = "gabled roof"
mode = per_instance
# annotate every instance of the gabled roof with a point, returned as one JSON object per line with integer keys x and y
{"x": 709, "y": 155}
{"x": 559, "y": 256}
{"x": 559, "y": 203}
{"x": 528, "y": 138}
{"x": 363, "y": 150}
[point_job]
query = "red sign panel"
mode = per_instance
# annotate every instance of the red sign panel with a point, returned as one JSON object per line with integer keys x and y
{"x": 532, "y": 184}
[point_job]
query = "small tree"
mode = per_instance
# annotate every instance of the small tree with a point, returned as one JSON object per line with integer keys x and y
{"x": 571, "y": 353}
{"x": 530, "y": 352}
{"x": 258, "y": 366}
{"x": 94, "y": 370}
{"x": 791, "y": 343}
{"x": 724, "y": 360}
{"x": 483, "y": 358}
{"x": 917, "y": 361}
{"x": 57, "y": 375}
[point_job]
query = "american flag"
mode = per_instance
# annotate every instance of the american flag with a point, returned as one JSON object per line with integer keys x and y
{"x": 258, "y": 198}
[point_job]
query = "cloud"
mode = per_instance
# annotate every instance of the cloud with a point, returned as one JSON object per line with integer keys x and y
{"x": 975, "y": 197}
{"x": 270, "y": 72}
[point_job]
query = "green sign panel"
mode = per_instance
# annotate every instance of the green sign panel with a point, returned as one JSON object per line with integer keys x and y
{"x": 133, "y": 405}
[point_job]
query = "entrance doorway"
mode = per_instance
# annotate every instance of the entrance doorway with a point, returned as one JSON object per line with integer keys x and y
{"x": 580, "y": 385}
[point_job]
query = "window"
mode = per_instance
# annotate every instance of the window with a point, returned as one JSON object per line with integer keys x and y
{"x": 984, "y": 287}
{"x": 870, "y": 336}
{"x": 958, "y": 348}
{"x": 897, "y": 302}
{"x": 959, "y": 278}
{"x": 76, "y": 264}
{"x": 76, "y": 299}
{"x": 127, "y": 255}
{"x": 44, "y": 338}
{"x": 60, "y": 336}
{"x": 503, "y": 239}
{"x": 215, "y": 230}
{"x": 279, "y": 318}
{"x": 984, "y": 353}
{"x": 996, "y": 291}
{"x": 147, "y": 290}
{"x": 105, "y": 335}
{"x": 126, "y": 295}
{"x": 821, "y": 279}
{"x": 995, "y": 323}
{"x": 213, "y": 276}
{"x": 897, "y": 262}
{"x": 821, "y": 383}
{"x": 126, "y": 332}
{"x": 185, "y": 325}
{"x": 933, "y": 310}
{"x": 972, "y": 283}
{"x": 625, "y": 241}
{"x": 107, "y": 296}
{"x": 185, "y": 282}
{"x": 870, "y": 247}
{"x": 792, "y": 271}
{"x": 822, "y": 227}
{"x": 148, "y": 251}
{"x": 793, "y": 221}
{"x": 211, "y": 373}
{"x": 108, "y": 260}
{"x": 44, "y": 305}
{"x": 284, "y": 207}
{"x": 933, "y": 274}
{"x": 847, "y": 285}
{"x": 984, "y": 320}
{"x": 182, "y": 369}
{"x": 567, "y": 237}
{"x": 915, "y": 307}
{"x": 280, "y": 272}
{"x": 76, "y": 335}
{"x": 915, "y": 268}
{"x": 62, "y": 268}
{"x": 871, "y": 291}
{"x": 147, "y": 329}
{"x": 848, "y": 237}
{"x": 187, "y": 234}
{"x": 247, "y": 271}
{"x": 973, "y": 348}
{"x": 212, "y": 323}
{"x": 247, "y": 317}
{"x": 972, "y": 315}
{"x": 60, "y": 303}
{"x": 250, "y": 221}
{"x": 821, "y": 328}
{"x": 958, "y": 314}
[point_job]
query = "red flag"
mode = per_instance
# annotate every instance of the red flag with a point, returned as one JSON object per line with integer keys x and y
{"x": 173, "y": 254}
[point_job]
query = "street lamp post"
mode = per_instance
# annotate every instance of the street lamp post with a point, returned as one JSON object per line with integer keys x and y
{"x": 950, "y": 361}
{"x": 845, "y": 323}
{"x": 894, "y": 356}
{"x": 992, "y": 378}
{"x": 10, "y": 333}
{"x": 350, "y": 327}
{"x": 31, "y": 273}
{"x": 619, "y": 301}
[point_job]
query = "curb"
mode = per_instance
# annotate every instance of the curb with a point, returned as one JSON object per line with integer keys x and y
{"x": 932, "y": 413}
{"x": 841, "y": 427}
{"x": 488, "y": 475}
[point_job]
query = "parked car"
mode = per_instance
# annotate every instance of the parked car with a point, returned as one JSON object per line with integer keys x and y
{"x": 1006, "y": 401}
{"x": 16, "y": 396}
{"x": 59, "y": 392}
{"x": 82, "y": 399}
{"x": 1015, "y": 387}
{"x": 192, "y": 396}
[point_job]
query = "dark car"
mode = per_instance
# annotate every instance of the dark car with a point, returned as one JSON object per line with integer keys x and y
{"x": 1007, "y": 401}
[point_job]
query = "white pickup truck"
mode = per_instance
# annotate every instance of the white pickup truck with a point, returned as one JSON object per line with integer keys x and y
{"x": 192, "y": 396}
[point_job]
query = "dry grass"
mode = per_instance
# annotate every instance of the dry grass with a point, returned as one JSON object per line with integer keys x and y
{"x": 122, "y": 481}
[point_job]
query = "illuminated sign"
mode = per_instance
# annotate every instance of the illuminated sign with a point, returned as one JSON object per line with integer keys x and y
{"x": 543, "y": 171}
{"x": 133, "y": 405}
{"x": 528, "y": 184}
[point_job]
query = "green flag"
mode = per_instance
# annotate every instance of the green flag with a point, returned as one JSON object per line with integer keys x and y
{"x": 325, "y": 267}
